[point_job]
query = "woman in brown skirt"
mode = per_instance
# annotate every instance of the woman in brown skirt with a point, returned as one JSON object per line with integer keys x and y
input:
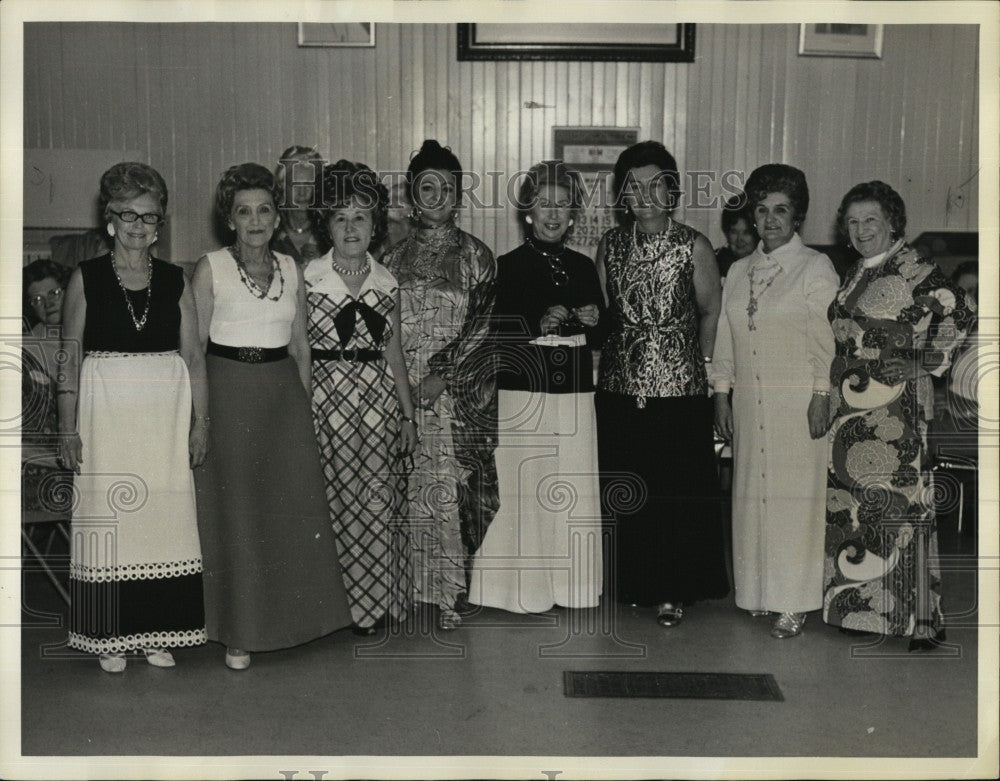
{"x": 272, "y": 579}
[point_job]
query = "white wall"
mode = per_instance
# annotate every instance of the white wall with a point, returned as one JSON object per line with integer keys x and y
{"x": 197, "y": 98}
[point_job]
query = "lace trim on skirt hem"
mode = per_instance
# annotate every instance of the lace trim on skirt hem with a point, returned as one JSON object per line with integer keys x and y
{"x": 117, "y": 645}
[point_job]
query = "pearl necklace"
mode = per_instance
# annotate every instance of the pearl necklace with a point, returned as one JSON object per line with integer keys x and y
{"x": 345, "y": 272}
{"x": 137, "y": 322}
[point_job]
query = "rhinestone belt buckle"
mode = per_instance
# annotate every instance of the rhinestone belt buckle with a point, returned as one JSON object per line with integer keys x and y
{"x": 251, "y": 354}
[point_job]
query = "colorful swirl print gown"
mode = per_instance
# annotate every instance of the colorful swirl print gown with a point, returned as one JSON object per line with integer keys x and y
{"x": 880, "y": 571}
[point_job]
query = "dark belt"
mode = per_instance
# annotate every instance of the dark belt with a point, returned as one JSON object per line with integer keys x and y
{"x": 362, "y": 355}
{"x": 247, "y": 354}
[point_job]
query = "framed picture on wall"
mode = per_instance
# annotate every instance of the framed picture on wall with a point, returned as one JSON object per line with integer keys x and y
{"x": 355, "y": 34}
{"x": 841, "y": 40}
{"x": 628, "y": 42}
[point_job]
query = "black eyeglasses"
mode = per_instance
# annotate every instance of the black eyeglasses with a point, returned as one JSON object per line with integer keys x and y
{"x": 46, "y": 298}
{"x": 151, "y": 218}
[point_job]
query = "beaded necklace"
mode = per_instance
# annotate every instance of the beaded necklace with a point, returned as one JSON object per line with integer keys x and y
{"x": 656, "y": 243}
{"x": 248, "y": 281}
{"x": 139, "y": 323}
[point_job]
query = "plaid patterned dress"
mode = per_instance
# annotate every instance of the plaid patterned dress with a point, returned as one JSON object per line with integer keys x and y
{"x": 356, "y": 416}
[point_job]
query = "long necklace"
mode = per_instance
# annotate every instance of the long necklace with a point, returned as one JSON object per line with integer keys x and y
{"x": 139, "y": 323}
{"x": 758, "y": 285}
{"x": 346, "y": 272}
{"x": 250, "y": 283}
{"x": 655, "y": 243}
{"x": 556, "y": 269}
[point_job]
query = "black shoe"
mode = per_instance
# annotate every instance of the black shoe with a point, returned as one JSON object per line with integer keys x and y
{"x": 464, "y": 607}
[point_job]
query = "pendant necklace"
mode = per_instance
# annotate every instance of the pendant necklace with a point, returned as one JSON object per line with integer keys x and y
{"x": 139, "y": 323}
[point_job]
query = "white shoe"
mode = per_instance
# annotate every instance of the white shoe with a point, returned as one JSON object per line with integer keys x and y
{"x": 112, "y": 663}
{"x": 237, "y": 659}
{"x": 159, "y": 657}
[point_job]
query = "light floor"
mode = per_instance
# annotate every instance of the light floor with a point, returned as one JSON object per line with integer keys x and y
{"x": 494, "y": 687}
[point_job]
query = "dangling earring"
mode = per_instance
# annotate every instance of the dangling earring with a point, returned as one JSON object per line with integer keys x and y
{"x": 111, "y": 230}
{"x": 156, "y": 235}
{"x": 529, "y": 220}
{"x": 570, "y": 222}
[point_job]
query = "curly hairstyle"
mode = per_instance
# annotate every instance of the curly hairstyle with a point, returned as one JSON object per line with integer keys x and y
{"x": 734, "y": 210}
{"x": 36, "y": 271}
{"x": 778, "y": 178}
{"x": 347, "y": 184}
{"x": 245, "y": 176}
{"x": 292, "y": 159}
{"x": 432, "y": 155}
{"x": 548, "y": 173}
{"x": 888, "y": 200}
{"x": 125, "y": 181}
{"x": 638, "y": 156}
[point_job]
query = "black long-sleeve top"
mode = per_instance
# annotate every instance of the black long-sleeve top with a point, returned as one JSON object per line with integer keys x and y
{"x": 526, "y": 288}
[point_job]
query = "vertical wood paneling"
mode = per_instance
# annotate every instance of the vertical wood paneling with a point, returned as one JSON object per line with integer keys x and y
{"x": 195, "y": 99}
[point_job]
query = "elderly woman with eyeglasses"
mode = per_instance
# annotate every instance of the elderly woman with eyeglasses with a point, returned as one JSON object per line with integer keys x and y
{"x": 134, "y": 421}
{"x": 542, "y": 552}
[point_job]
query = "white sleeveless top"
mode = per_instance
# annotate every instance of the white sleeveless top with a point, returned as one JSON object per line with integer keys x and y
{"x": 239, "y": 318}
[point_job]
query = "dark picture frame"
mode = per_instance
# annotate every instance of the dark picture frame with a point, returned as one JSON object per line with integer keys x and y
{"x": 582, "y": 42}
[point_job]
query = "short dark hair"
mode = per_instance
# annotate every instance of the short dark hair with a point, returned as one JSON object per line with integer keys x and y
{"x": 637, "y": 156}
{"x": 125, "y": 181}
{"x": 888, "y": 200}
{"x": 554, "y": 173}
{"x": 36, "y": 271}
{"x": 778, "y": 178}
{"x": 245, "y": 176}
{"x": 432, "y": 155}
{"x": 734, "y": 210}
{"x": 344, "y": 182}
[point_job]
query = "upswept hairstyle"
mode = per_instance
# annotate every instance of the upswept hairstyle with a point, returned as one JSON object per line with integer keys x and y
{"x": 547, "y": 173}
{"x": 297, "y": 155}
{"x": 125, "y": 181}
{"x": 432, "y": 155}
{"x": 344, "y": 184}
{"x": 882, "y": 194}
{"x": 245, "y": 176}
{"x": 778, "y": 178}
{"x": 638, "y": 156}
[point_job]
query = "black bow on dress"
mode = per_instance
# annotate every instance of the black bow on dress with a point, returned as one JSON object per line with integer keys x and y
{"x": 346, "y": 318}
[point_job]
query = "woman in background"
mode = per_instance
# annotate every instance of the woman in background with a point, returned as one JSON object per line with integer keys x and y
{"x": 654, "y": 417}
{"x": 362, "y": 410}
{"x": 896, "y": 321}
{"x": 537, "y": 552}
{"x": 447, "y": 280}
{"x": 773, "y": 348}
{"x": 133, "y": 420}
{"x": 741, "y": 237}
{"x": 299, "y": 171}
{"x": 272, "y": 579}
{"x": 44, "y": 485}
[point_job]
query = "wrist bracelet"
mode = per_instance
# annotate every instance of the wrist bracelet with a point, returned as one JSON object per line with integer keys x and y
{"x": 708, "y": 358}
{"x": 821, "y": 393}
{"x": 65, "y": 391}
{"x": 406, "y": 419}
{"x": 206, "y": 419}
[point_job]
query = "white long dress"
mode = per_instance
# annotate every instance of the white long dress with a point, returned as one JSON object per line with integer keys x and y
{"x": 779, "y": 476}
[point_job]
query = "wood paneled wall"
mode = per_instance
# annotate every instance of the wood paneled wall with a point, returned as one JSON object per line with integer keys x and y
{"x": 197, "y": 98}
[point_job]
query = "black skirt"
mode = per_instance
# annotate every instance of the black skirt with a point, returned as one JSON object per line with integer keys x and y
{"x": 660, "y": 499}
